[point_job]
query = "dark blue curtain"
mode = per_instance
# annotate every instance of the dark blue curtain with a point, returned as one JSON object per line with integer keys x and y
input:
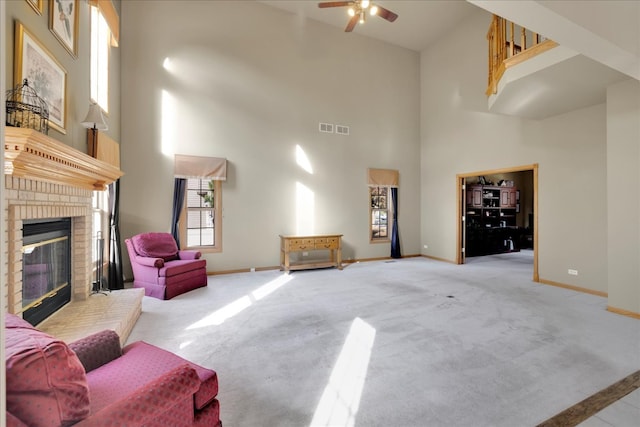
{"x": 395, "y": 236}
{"x": 116, "y": 280}
{"x": 179, "y": 187}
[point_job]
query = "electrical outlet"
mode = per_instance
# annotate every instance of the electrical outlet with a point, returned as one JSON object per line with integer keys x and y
{"x": 305, "y": 253}
{"x": 253, "y": 269}
{"x": 426, "y": 246}
{"x": 572, "y": 272}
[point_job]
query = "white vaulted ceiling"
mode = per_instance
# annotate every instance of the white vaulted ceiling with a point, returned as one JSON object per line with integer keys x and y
{"x": 419, "y": 22}
{"x": 601, "y": 48}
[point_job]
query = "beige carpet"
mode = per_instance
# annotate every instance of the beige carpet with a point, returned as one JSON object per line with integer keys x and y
{"x": 413, "y": 342}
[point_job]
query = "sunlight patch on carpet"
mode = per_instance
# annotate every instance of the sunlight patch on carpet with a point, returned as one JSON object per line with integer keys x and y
{"x": 340, "y": 400}
{"x": 219, "y": 316}
{"x": 270, "y": 287}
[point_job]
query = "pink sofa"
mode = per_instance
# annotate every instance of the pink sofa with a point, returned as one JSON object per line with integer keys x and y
{"x": 94, "y": 382}
{"x": 163, "y": 270}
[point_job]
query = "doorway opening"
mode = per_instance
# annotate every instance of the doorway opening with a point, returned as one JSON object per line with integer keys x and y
{"x": 498, "y": 213}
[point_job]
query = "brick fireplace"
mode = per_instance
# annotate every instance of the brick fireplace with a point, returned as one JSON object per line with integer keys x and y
{"x": 45, "y": 179}
{"x": 31, "y": 199}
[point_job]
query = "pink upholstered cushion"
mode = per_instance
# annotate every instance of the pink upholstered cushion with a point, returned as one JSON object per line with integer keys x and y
{"x": 156, "y": 245}
{"x": 162, "y": 401}
{"x": 140, "y": 363}
{"x": 209, "y": 415}
{"x": 178, "y": 267}
{"x": 160, "y": 360}
{"x": 46, "y": 383}
{"x": 97, "y": 349}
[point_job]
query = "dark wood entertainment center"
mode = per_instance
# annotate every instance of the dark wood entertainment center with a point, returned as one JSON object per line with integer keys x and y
{"x": 491, "y": 225}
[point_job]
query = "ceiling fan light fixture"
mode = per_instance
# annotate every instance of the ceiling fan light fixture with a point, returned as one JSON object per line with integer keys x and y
{"x": 357, "y": 10}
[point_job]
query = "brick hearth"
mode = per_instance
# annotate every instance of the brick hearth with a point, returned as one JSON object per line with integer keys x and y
{"x": 117, "y": 311}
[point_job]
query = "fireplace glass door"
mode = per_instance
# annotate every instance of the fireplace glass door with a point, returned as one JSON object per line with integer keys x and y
{"x": 46, "y": 265}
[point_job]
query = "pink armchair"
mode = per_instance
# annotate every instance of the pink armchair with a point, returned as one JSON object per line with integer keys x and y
{"x": 161, "y": 268}
{"x": 94, "y": 382}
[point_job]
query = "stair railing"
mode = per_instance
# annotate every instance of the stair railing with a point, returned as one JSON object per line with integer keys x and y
{"x": 511, "y": 44}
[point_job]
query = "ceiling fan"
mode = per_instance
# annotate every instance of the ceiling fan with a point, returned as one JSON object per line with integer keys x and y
{"x": 358, "y": 11}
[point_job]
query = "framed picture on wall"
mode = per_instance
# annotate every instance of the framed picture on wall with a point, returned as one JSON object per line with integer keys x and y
{"x": 36, "y": 5}
{"x": 32, "y": 61}
{"x": 63, "y": 23}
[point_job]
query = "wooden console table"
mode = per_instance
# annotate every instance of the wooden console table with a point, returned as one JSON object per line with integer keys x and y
{"x": 330, "y": 242}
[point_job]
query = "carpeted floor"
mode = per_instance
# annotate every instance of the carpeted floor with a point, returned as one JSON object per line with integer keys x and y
{"x": 411, "y": 342}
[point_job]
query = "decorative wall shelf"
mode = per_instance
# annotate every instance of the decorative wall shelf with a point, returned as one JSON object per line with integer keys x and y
{"x": 34, "y": 155}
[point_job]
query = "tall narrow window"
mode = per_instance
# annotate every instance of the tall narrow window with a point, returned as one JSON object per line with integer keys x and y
{"x": 202, "y": 214}
{"x": 198, "y": 190}
{"x": 100, "y": 44}
{"x": 379, "y": 213}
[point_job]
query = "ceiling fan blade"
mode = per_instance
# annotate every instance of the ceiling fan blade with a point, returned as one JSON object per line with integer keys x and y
{"x": 334, "y": 4}
{"x": 352, "y": 23}
{"x": 386, "y": 14}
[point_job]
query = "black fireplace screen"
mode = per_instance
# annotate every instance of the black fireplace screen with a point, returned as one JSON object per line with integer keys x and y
{"x": 46, "y": 265}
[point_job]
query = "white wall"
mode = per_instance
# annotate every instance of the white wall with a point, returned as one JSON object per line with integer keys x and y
{"x": 460, "y": 136}
{"x": 623, "y": 195}
{"x": 250, "y": 83}
{"x": 571, "y": 151}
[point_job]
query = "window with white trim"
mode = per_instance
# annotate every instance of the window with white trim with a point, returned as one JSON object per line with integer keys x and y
{"x": 380, "y": 182}
{"x": 100, "y": 45}
{"x": 201, "y": 219}
{"x": 380, "y": 214}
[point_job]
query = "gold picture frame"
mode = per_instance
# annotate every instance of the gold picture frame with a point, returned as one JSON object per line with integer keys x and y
{"x": 36, "y": 5}
{"x": 63, "y": 23}
{"x": 32, "y": 61}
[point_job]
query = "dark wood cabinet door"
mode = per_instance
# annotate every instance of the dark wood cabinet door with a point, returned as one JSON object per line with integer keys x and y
{"x": 504, "y": 197}
{"x": 474, "y": 197}
{"x": 512, "y": 198}
{"x": 508, "y": 197}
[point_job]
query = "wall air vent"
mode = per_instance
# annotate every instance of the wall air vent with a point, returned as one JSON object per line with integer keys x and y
{"x": 342, "y": 130}
{"x": 326, "y": 127}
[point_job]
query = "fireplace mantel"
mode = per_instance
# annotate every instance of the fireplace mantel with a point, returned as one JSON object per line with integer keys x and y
{"x": 33, "y": 155}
